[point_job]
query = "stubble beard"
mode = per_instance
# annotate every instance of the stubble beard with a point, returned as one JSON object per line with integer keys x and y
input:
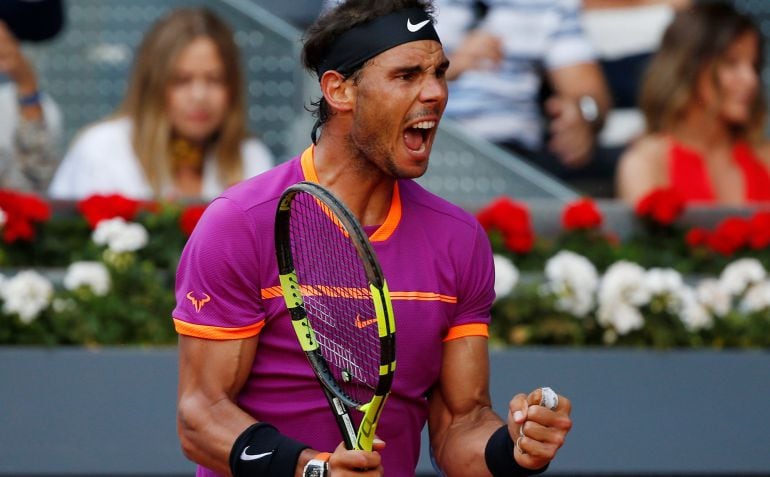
{"x": 373, "y": 158}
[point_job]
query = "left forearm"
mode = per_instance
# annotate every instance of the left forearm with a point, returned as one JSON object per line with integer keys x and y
{"x": 458, "y": 446}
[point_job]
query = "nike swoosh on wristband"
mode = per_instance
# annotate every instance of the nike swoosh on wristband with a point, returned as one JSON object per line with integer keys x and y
{"x": 415, "y": 28}
{"x": 245, "y": 456}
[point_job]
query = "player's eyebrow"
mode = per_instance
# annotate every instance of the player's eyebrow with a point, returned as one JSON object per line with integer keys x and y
{"x": 402, "y": 70}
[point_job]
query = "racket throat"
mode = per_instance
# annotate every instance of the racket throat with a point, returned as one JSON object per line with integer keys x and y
{"x": 343, "y": 417}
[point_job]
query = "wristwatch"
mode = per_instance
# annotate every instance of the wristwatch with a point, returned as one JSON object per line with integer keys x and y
{"x": 589, "y": 110}
{"x": 317, "y": 466}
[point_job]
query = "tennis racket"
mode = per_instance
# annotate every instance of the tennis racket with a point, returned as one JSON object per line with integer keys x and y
{"x": 339, "y": 304}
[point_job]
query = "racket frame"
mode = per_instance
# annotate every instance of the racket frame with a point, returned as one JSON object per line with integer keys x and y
{"x": 338, "y": 400}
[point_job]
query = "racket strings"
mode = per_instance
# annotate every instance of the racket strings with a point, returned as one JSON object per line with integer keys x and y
{"x": 337, "y": 297}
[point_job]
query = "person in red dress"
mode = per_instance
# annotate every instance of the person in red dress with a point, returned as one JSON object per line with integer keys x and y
{"x": 705, "y": 112}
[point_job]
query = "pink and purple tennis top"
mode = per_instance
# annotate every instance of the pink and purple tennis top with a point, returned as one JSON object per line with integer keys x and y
{"x": 438, "y": 264}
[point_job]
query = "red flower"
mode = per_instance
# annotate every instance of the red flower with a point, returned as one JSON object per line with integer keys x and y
{"x": 520, "y": 242}
{"x": 512, "y": 220}
{"x": 495, "y": 212}
{"x": 697, "y": 237}
{"x": 21, "y": 211}
{"x": 662, "y": 205}
{"x": 730, "y": 235}
{"x": 101, "y": 207}
{"x": 581, "y": 214}
{"x": 190, "y": 217}
{"x": 759, "y": 224}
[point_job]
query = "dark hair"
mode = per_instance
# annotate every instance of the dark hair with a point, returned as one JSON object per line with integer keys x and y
{"x": 322, "y": 34}
{"x": 696, "y": 39}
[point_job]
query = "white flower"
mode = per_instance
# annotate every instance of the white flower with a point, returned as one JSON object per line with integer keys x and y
{"x": 120, "y": 236}
{"x": 624, "y": 281}
{"x": 106, "y": 229}
{"x": 663, "y": 281}
{"x": 664, "y": 286}
{"x": 621, "y": 290}
{"x": 506, "y": 276}
{"x": 3, "y": 218}
{"x": 711, "y": 294}
{"x": 573, "y": 280}
{"x": 757, "y": 298}
{"x": 92, "y": 275}
{"x": 742, "y": 273}
{"x": 693, "y": 314}
{"x": 27, "y": 294}
{"x": 622, "y": 316}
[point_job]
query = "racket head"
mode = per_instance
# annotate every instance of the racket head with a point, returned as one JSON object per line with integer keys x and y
{"x": 339, "y": 303}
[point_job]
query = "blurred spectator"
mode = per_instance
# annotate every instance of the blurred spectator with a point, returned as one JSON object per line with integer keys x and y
{"x": 181, "y": 131}
{"x": 501, "y": 52}
{"x": 625, "y": 35}
{"x": 705, "y": 113}
{"x": 30, "y": 122}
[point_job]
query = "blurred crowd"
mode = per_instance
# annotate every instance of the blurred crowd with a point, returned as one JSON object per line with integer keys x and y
{"x": 616, "y": 98}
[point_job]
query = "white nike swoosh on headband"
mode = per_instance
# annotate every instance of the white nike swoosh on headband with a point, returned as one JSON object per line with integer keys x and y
{"x": 245, "y": 456}
{"x": 415, "y": 28}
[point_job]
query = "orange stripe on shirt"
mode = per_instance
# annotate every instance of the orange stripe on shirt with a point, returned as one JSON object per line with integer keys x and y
{"x": 423, "y": 296}
{"x": 308, "y": 168}
{"x": 315, "y": 290}
{"x": 392, "y": 220}
{"x": 472, "y": 329}
{"x": 217, "y": 332}
{"x": 272, "y": 292}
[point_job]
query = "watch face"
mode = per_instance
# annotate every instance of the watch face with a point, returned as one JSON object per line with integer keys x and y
{"x": 588, "y": 108}
{"x": 315, "y": 468}
{"x": 314, "y": 471}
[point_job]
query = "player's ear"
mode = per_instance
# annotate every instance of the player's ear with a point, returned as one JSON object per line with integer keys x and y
{"x": 338, "y": 92}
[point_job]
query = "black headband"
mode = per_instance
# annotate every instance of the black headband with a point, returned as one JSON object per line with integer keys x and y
{"x": 367, "y": 40}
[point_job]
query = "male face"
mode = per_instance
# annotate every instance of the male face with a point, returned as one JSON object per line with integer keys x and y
{"x": 401, "y": 95}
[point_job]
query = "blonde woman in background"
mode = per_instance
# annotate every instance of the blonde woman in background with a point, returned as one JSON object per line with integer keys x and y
{"x": 705, "y": 113}
{"x": 181, "y": 131}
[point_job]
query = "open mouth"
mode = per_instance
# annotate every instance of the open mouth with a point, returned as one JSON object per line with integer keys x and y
{"x": 416, "y": 136}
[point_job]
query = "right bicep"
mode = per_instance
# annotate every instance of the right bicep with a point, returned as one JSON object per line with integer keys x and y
{"x": 216, "y": 368}
{"x": 211, "y": 374}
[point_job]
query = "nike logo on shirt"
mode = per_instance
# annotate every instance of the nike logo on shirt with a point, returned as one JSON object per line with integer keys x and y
{"x": 415, "y": 28}
{"x": 245, "y": 456}
{"x": 361, "y": 324}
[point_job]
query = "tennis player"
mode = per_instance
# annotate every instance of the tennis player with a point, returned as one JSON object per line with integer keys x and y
{"x": 249, "y": 404}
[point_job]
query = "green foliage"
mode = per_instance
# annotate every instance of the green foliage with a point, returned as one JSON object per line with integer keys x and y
{"x": 136, "y": 310}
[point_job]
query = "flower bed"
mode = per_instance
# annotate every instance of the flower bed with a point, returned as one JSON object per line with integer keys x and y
{"x": 115, "y": 260}
{"x": 665, "y": 286}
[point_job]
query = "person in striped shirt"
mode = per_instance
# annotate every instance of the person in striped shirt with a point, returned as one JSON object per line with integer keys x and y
{"x": 502, "y": 52}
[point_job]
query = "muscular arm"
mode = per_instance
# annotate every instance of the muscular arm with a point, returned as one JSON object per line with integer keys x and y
{"x": 211, "y": 373}
{"x": 461, "y": 419}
